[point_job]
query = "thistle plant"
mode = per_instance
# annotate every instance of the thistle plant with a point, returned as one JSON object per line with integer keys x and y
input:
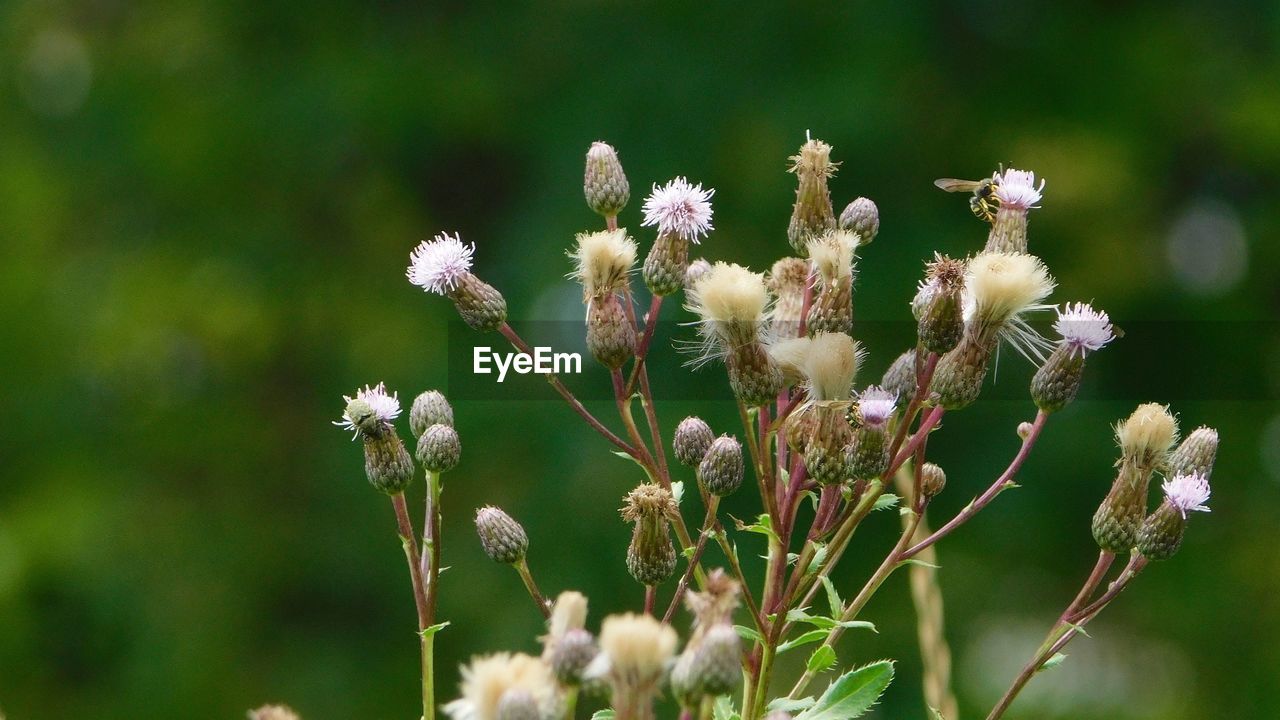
{"x": 813, "y": 434}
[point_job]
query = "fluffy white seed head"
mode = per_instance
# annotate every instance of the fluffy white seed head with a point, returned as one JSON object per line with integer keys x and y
{"x": 875, "y": 405}
{"x": 634, "y": 649}
{"x": 833, "y": 254}
{"x": 1017, "y": 189}
{"x": 439, "y": 264}
{"x": 1149, "y": 432}
{"x": 679, "y": 208}
{"x": 831, "y": 364}
{"x": 1082, "y": 328}
{"x": 568, "y": 613}
{"x": 385, "y": 407}
{"x": 999, "y": 289}
{"x": 486, "y": 679}
{"x": 1187, "y": 493}
{"x": 602, "y": 261}
{"x": 790, "y": 356}
{"x": 729, "y": 293}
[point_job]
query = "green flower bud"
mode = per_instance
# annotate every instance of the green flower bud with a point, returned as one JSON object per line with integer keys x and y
{"x": 960, "y": 373}
{"x": 900, "y": 378}
{"x": 1196, "y": 454}
{"x": 812, "y": 214}
{"x": 825, "y": 447}
{"x": 868, "y": 455}
{"x": 479, "y": 304}
{"x": 863, "y": 217}
{"x": 752, "y": 375}
{"x": 604, "y": 184}
{"x": 932, "y": 479}
{"x": 717, "y": 665}
{"x": 692, "y": 438}
{"x": 1116, "y": 522}
{"x": 429, "y": 408}
{"x": 721, "y": 468}
{"x": 502, "y": 538}
{"x": 387, "y": 463}
{"x": 939, "y": 305}
{"x": 611, "y": 337}
{"x": 571, "y": 654}
{"x": 1161, "y": 533}
{"x": 651, "y": 557}
{"x": 666, "y": 264}
{"x": 1056, "y": 383}
{"x": 439, "y": 448}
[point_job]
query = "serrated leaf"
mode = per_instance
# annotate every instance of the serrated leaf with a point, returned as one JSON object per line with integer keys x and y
{"x": 762, "y": 525}
{"x": 605, "y": 714}
{"x": 821, "y": 659}
{"x": 747, "y": 633}
{"x": 688, "y": 552}
{"x": 428, "y": 632}
{"x": 723, "y": 709}
{"x": 677, "y": 491}
{"x": 787, "y": 705}
{"x": 819, "y": 556}
{"x": 1052, "y": 662}
{"x": 852, "y": 694}
{"x": 885, "y": 501}
{"x": 834, "y": 603}
{"x": 803, "y": 639}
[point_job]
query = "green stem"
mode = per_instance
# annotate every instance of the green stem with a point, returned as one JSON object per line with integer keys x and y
{"x": 522, "y": 567}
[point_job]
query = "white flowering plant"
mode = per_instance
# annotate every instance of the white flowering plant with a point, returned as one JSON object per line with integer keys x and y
{"x": 822, "y": 450}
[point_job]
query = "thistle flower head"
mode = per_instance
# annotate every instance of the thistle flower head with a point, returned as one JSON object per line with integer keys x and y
{"x": 999, "y": 289}
{"x": 1017, "y": 189}
{"x": 679, "y": 208}
{"x": 634, "y": 651}
{"x": 1082, "y": 328}
{"x": 833, "y": 254}
{"x": 602, "y": 261}
{"x": 371, "y": 409}
{"x": 729, "y": 293}
{"x": 831, "y": 364}
{"x": 814, "y": 159}
{"x": 1148, "y": 433}
{"x": 875, "y": 406}
{"x": 649, "y": 501}
{"x": 439, "y": 264}
{"x": 1187, "y": 493}
{"x": 485, "y": 680}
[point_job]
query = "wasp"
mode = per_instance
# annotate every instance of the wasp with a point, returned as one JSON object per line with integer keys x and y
{"x": 984, "y": 202}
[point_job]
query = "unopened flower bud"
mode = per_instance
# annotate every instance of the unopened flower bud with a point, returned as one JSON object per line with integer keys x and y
{"x": 429, "y": 408}
{"x": 752, "y": 375}
{"x": 666, "y": 265}
{"x": 1056, "y": 383}
{"x": 863, "y": 217}
{"x": 439, "y": 448}
{"x": 502, "y": 538}
{"x": 960, "y": 373}
{"x": 684, "y": 686}
{"x": 651, "y": 556}
{"x": 1161, "y": 533}
{"x": 387, "y": 463}
{"x": 721, "y": 468}
{"x": 900, "y": 378}
{"x": 611, "y": 337}
{"x": 571, "y": 654}
{"x": 938, "y": 305}
{"x": 831, "y": 309}
{"x": 812, "y": 214}
{"x": 517, "y": 704}
{"x": 692, "y": 438}
{"x": 717, "y": 663}
{"x": 1196, "y": 454}
{"x": 932, "y": 479}
{"x": 695, "y": 272}
{"x": 827, "y": 435}
{"x": 1024, "y": 430}
{"x": 868, "y": 455}
{"x": 787, "y": 281}
{"x": 604, "y": 183}
{"x": 273, "y": 712}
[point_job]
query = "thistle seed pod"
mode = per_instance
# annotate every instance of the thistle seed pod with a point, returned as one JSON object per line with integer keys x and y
{"x": 479, "y": 304}
{"x": 939, "y": 305}
{"x": 868, "y": 455}
{"x": 692, "y": 438}
{"x": 721, "y": 469}
{"x": 503, "y": 539}
{"x": 571, "y": 654}
{"x": 932, "y": 480}
{"x": 812, "y": 214}
{"x": 429, "y": 408}
{"x": 833, "y": 259}
{"x": 666, "y": 265}
{"x": 863, "y": 217}
{"x": 752, "y": 375}
{"x": 604, "y": 183}
{"x": 651, "y": 556}
{"x": 1016, "y": 193}
{"x": 1196, "y": 454}
{"x": 611, "y": 337}
{"x": 825, "y": 447}
{"x": 439, "y": 448}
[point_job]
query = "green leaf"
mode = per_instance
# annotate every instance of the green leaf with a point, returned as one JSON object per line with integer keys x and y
{"x": 799, "y": 615}
{"x": 747, "y": 633}
{"x": 1052, "y": 662}
{"x": 934, "y": 714}
{"x": 605, "y": 714}
{"x": 821, "y": 659}
{"x": 918, "y": 561}
{"x": 802, "y": 639}
{"x": 819, "y": 556}
{"x": 833, "y": 598}
{"x": 622, "y": 454}
{"x": 885, "y": 501}
{"x": 723, "y": 709}
{"x": 787, "y": 705}
{"x": 677, "y": 491}
{"x": 688, "y": 552}
{"x": 762, "y": 525}
{"x": 852, "y": 694}
{"x": 434, "y": 629}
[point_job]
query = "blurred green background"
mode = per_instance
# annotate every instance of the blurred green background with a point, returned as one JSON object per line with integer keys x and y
{"x": 206, "y": 210}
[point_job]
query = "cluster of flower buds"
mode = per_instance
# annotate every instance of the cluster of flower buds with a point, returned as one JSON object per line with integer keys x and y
{"x": 1147, "y": 439}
